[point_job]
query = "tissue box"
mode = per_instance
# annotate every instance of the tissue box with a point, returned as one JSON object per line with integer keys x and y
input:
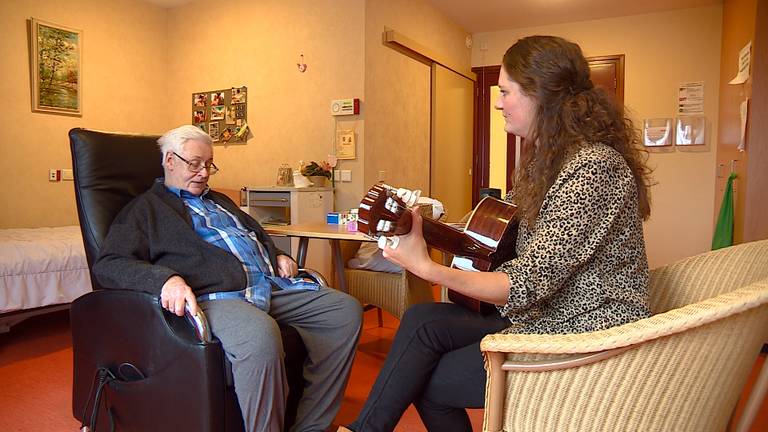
{"x": 333, "y": 218}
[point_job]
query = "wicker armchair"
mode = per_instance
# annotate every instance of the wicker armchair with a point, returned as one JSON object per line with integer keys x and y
{"x": 682, "y": 369}
{"x": 393, "y": 292}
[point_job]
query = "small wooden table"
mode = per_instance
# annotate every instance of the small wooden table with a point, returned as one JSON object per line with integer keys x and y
{"x": 334, "y": 233}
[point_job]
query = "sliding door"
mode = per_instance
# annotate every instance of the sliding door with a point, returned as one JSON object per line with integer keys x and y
{"x": 451, "y": 143}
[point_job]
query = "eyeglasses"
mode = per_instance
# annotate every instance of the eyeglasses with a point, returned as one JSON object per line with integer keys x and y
{"x": 198, "y": 166}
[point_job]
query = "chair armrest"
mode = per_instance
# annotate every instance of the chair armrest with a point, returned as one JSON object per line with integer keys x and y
{"x": 110, "y": 327}
{"x": 200, "y": 324}
{"x": 314, "y": 275}
{"x": 657, "y": 326}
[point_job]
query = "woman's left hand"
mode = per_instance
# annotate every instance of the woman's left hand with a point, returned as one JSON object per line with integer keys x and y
{"x": 411, "y": 252}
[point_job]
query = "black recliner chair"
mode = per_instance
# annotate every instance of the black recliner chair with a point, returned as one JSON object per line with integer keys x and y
{"x": 185, "y": 383}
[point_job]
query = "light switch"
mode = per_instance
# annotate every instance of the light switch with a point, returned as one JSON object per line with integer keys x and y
{"x": 346, "y": 175}
{"x": 337, "y": 175}
{"x": 382, "y": 175}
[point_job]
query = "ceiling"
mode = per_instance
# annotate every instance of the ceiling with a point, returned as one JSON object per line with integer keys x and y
{"x": 479, "y": 16}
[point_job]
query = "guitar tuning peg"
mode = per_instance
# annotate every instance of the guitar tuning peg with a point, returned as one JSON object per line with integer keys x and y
{"x": 413, "y": 198}
{"x": 392, "y": 242}
{"x": 384, "y": 226}
{"x": 409, "y": 197}
{"x": 389, "y": 204}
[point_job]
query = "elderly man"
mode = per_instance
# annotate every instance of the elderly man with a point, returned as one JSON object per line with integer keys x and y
{"x": 191, "y": 245}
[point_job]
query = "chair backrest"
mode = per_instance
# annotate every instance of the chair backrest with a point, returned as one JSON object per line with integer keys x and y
{"x": 708, "y": 275}
{"x": 109, "y": 170}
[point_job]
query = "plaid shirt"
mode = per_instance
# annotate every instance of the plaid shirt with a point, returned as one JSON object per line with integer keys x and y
{"x": 221, "y": 228}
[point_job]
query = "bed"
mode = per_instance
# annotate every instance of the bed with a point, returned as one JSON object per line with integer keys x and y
{"x": 41, "y": 270}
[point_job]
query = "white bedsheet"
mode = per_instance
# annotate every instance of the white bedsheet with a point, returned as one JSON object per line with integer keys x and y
{"x": 41, "y": 267}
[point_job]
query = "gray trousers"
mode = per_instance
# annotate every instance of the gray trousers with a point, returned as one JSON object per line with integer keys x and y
{"x": 328, "y": 322}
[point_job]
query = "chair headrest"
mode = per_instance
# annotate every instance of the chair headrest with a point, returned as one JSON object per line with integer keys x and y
{"x": 110, "y": 169}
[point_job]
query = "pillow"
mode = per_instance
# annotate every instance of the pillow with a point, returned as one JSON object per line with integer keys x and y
{"x": 369, "y": 257}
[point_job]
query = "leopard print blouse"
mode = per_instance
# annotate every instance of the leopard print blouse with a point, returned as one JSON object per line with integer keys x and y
{"x": 582, "y": 265}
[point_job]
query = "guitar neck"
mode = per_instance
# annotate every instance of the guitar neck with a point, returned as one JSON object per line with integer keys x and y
{"x": 452, "y": 240}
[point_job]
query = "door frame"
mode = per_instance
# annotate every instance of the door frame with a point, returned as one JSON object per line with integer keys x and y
{"x": 487, "y": 77}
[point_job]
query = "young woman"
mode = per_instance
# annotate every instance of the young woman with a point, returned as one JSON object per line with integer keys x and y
{"x": 582, "y": 195}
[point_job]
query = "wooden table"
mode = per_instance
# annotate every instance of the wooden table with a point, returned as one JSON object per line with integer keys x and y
{"x": 334, "y": 233}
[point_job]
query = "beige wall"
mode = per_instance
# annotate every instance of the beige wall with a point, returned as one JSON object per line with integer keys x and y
{"x": 662, "y": 50}
{"x": 257, "y": 44}
{"x": 142, "y": 63}
{"x": 397, "y": 89}
{"x": 124, "y": 53}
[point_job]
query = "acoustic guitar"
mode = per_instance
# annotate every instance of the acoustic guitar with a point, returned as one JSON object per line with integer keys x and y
{"x": 487, "y": 241}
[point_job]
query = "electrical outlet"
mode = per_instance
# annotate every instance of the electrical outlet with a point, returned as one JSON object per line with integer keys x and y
{"x": 53, "y": 175}
{"x": 382, "y": 175}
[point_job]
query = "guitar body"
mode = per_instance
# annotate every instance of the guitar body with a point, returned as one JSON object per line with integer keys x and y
{"x": 487, "y": 241}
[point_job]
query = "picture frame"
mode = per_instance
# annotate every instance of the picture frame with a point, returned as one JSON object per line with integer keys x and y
{"x": 345, "y": 144}
{"x": 56, "y": 59}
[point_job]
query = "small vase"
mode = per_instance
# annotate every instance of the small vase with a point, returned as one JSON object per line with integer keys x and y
{"x": 318, "y": 181}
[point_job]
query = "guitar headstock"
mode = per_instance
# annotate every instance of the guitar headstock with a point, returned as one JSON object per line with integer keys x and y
{"x": 383, "y": 213}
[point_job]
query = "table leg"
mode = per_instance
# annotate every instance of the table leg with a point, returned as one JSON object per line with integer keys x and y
{"x": 301, "y": 254}
{"x": 338, "y": 262}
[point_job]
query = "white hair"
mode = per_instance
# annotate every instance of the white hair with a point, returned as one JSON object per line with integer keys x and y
{"x": 174, "y": 139}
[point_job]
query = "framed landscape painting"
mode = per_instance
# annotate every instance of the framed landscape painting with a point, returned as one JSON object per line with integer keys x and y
{"x": 56, "y": 63}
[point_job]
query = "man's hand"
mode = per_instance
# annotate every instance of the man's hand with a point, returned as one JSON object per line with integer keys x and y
{"x": 286, "y": 266}
{"x": 175, "y": 293}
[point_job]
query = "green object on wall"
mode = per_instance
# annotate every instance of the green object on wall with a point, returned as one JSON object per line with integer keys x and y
{"x": 724, "y": 229}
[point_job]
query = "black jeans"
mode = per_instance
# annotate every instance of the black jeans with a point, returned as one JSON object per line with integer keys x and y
{"x": 434, "y": 363}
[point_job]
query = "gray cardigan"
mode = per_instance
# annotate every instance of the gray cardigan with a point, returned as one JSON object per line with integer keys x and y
{"x": 152, "y": 239}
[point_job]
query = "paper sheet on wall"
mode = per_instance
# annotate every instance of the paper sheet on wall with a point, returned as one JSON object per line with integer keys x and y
{"x": 743, "y": 112}
{"x": 690, "y": 98}
{"x": 744, "y": 59}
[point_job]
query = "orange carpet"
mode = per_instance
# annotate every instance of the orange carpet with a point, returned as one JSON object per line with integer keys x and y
{"x": 36, "y": 377}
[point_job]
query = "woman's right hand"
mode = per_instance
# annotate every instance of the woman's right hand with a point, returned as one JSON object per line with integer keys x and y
{"x": 411, "y": 250}
{"x": 175, "y": 293}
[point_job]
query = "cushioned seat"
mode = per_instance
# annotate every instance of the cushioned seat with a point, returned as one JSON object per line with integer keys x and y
{"x": 185, "y": 385}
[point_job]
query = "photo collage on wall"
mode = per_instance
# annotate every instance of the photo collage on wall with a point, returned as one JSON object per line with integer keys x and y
{"x": 222, "y": 114}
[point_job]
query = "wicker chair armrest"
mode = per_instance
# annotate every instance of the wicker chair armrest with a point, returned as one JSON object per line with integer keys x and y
{"x": 657, "y": 326}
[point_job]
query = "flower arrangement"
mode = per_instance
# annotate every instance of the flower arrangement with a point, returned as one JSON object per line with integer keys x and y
{"x": 317, "y": 169}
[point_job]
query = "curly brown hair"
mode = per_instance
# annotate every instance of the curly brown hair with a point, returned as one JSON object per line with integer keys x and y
{"x": 570, "y": 113}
